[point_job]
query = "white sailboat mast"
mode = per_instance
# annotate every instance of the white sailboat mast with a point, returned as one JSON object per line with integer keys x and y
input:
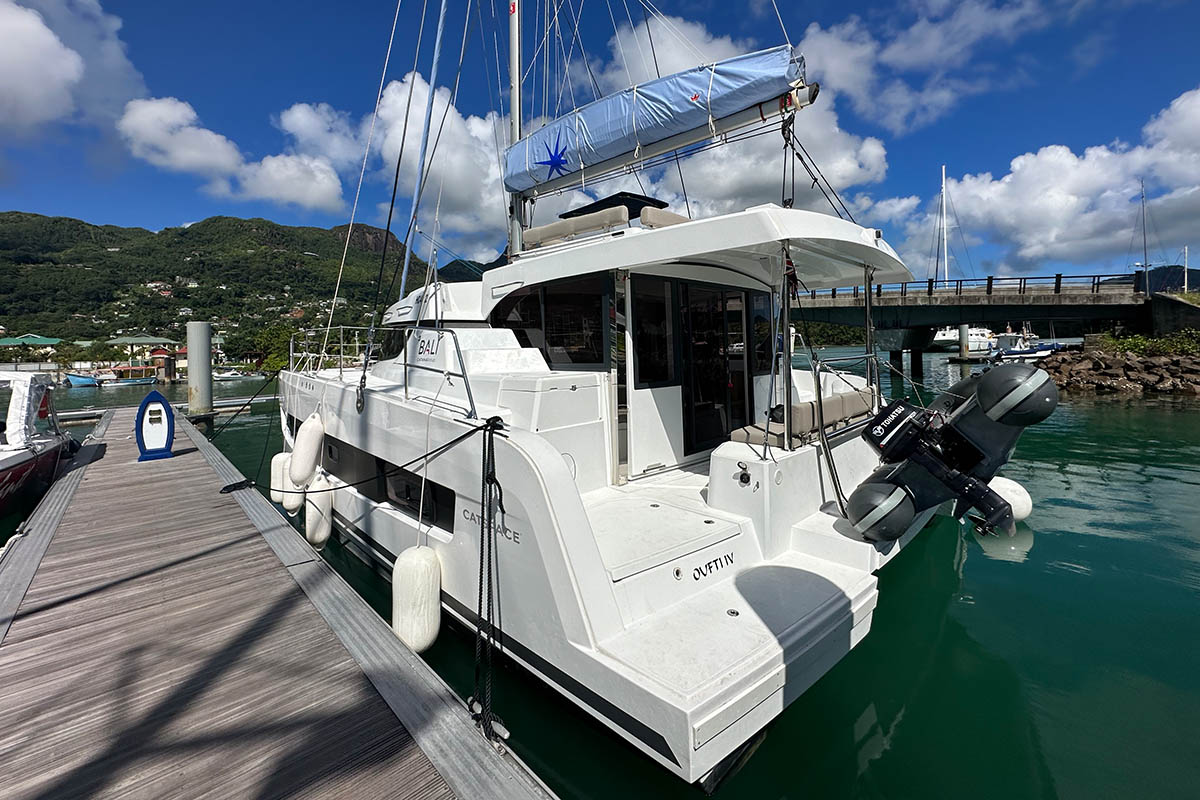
{"x": 516, "y": 216}
{"x": 945, "y": 230}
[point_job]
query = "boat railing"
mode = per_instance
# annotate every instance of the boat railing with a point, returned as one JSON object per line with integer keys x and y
{"x": 346, "y": 348}
{"x": 816, "y": 365}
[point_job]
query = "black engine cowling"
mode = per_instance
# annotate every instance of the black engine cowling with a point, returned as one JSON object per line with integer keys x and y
{"x": 949, "y": 451}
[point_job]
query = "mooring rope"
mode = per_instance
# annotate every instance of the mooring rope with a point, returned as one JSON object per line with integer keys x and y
{"x": 487, "y": 632}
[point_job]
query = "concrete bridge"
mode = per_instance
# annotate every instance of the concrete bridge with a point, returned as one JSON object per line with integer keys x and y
{"x": 982, "y": 301}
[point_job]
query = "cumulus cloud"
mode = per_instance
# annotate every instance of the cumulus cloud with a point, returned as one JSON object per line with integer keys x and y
{"x": 1056, "y": 205}
{"x": 166, "y": 132}
{"x": 38, "y": 72}
{"x": 107, "y": 79}
{"x": 322, "y": 131}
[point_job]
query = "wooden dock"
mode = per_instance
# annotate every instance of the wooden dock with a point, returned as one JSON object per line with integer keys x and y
{"x": 160, "y": 639}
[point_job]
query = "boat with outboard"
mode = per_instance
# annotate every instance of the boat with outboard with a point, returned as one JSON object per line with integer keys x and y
{"x": 32, "y": 446}
{"x": 605, "y": 439}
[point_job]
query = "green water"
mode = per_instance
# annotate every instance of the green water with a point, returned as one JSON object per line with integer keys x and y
{"x": 1071, "y": 673}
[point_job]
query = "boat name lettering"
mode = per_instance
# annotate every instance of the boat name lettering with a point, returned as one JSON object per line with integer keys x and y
{"x": 427, "y": 348}
{"x": 508, "y": 533}
{"x": 704, "y": 570}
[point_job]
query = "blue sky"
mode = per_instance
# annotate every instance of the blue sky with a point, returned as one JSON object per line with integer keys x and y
{"x": 1047, "y": 113}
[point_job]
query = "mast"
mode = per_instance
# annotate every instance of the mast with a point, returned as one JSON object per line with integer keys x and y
{"x": 516, "y": 202}
{"x": 1145, "y": 253}
{"x": 945, "y": 232}
{"x": 1185, "y": 270}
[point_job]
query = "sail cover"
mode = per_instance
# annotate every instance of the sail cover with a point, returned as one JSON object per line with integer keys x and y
{"x": 648, "y": 113}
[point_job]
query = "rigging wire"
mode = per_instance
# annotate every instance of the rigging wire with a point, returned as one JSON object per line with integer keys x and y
{"x": 582, "y": 51}
{"x": 361, "y": 176}
{"x": 679, "y": 168}
{"x": 387, "y": 231}
{"x": 782, "y": 27}
{"x": 961, "y": 238}
{"x": 815, "y": 166}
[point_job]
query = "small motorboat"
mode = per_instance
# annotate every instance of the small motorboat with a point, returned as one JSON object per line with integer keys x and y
{"x": 980, "y": 341}
{"x": 1018, "y": 347}
{"x": 78, "y": 379}
{"x": 32, "y": 446}
{"x": 147, "y": 381}
{"x": 230, "y": 375}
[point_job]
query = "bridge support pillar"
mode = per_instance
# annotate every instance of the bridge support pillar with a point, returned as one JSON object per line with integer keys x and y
{"x": 916, "y": 365}
{"x": 896, "y": 359}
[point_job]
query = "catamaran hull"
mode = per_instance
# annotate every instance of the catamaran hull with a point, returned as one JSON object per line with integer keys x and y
{"x": 687, "y": 656}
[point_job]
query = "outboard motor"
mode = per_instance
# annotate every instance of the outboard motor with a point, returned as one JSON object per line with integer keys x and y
{"x": 949, "y": 451}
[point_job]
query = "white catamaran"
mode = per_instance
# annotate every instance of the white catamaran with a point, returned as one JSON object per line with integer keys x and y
{"x": 585, "y": 448}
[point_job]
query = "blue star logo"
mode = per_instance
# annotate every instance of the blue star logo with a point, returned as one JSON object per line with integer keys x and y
{"x": 556, "y": 159}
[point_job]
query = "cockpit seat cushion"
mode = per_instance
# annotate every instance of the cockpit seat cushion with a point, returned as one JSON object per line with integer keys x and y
{"x": 837, "y": 410}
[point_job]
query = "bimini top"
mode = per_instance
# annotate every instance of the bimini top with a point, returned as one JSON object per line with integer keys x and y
{"x": 744, "y": 247}
{"x": 650, "y": 112}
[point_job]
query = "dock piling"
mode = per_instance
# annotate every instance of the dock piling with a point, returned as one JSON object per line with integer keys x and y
{"x": 199, "y": 351}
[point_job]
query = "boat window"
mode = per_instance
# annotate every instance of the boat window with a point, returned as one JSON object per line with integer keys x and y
{"x": 403, "y": 489}
{"x": 565, "y": 320}
{"x": 575, "y": 320}
{"x": 391, "y": 343}
{"x": 760, "y": 332}
{"x": 654, "y": 331}
{"x": 521, "y": 311}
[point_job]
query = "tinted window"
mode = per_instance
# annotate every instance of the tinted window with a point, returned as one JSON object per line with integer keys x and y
{"x": 391, "y": 343}
{"x": 654, "y": 331}
{"x": 575, "y": 321}
{"x": 522, "y": 312}
{"x": 760, "y": 331}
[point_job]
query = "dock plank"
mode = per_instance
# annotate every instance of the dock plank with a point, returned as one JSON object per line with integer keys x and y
{"x": 161, "y": 649}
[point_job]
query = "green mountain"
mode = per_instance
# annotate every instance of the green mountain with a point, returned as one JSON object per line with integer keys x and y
{"x": 69, "y": 279}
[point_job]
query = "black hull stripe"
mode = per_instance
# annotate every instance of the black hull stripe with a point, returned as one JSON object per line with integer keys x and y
{"x": 618, "y": 716}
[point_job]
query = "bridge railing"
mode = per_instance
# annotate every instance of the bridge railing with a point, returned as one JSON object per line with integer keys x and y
{"x": 1028, "y": 284}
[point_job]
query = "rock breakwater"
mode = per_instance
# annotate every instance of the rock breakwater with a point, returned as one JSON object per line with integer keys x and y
{"x": 1104, "y": 372}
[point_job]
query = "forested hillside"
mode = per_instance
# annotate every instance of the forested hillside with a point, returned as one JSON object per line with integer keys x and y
{"x": 66, "y": 278}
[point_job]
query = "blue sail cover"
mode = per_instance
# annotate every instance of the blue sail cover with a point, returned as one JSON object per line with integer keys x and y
{"x": 648, "y": 113}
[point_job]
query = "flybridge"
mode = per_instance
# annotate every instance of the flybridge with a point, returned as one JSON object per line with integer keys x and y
{"x": 658, "y": 116}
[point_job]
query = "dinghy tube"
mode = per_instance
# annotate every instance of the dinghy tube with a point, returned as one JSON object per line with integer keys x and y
{"x": 293, "y": 495}
{"x": 951, "y": 450}
{"x": 318, "y": 511}
{"x": 307, "y": 450}
{"x": 416, "y": 597}
{"x": 279, "y": 465}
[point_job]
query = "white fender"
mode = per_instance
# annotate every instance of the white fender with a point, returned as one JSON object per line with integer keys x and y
{"x": 278, "y": 474}
{"x": 293, "y": 496}
{"x": 1014, "y": 494}
{"x": 307, "y": 450}
{"x": 417, "y": 597}
{"x": 318, "y": 512}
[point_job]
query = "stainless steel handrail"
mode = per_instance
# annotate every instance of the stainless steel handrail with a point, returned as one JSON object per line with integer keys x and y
{"x": 815, "y": 365}
{"x": 301, "y": 360}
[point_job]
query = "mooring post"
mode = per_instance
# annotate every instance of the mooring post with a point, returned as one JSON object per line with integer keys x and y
{"x": 199, "y": 359}
{"x": 964, "y": 341}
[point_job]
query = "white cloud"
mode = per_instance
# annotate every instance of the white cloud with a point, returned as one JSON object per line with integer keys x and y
{"x": 321, "y": 130}
{"x": 934, "y": 44}
{"x": 165, "y": 132}
{"x": 109, "y": 80}
{"x": 38, "y": 73}
{"x": 303, "y": 180}
{"x": 678, "y": 44}
{"x": 1055, "y": 205}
